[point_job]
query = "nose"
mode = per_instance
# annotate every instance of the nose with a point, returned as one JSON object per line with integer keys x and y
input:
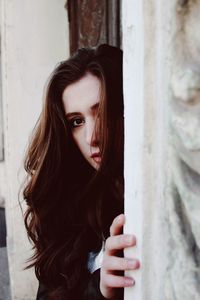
{"x": 91, "y": 136}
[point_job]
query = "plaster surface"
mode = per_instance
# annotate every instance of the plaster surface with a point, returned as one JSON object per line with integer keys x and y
{"x": 34, "y": 39}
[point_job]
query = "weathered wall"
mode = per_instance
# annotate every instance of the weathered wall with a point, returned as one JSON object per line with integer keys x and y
{"x": 34, "y": 39}
{"x": 161, "y": 44}
{"x": 183, "y": 275}
{"x": 133, "y": 76}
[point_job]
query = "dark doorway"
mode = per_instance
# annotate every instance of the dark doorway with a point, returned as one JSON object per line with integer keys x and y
{"x": 4, "y": 273}
{"x": 93, "y": 22}
{"x": 2, "y": 228}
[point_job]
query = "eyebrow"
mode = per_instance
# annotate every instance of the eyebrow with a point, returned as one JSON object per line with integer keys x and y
{"x": 93, "y": 107}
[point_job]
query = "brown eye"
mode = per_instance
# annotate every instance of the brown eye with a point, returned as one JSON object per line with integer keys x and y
{"x": 76, "y": 122}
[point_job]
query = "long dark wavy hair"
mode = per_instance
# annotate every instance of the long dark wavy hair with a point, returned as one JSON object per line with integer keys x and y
{"x": 70, "y": 205}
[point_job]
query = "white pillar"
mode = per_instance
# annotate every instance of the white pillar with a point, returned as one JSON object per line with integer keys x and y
{"x": 145, "y": 74}
{"x": 34, "y": 39}
{"x": 133, "y": 76}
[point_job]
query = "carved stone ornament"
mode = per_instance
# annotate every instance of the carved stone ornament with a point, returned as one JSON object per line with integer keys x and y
{"x": 183, "y": 271}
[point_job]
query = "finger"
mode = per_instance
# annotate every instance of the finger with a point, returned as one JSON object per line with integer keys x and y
{"x": 113, "y": 263}
{"x": 117, "y": 225}
{"x": 118, "y": 242}
{"x": 114, "y": 281}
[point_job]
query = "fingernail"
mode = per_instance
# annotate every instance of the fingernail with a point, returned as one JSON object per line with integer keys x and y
{"x": 129, "y": 239}
{"x": 119, "y": 218}
{"x": 129, "y": 281}
{"x": 133, "y": 264}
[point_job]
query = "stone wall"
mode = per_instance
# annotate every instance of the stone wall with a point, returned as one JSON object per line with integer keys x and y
{"x": 34, "y": 38}
{"x": 161, "y": 44}
{"x": 183, "y": 276}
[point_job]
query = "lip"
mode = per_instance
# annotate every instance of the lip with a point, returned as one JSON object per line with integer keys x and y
{"x": 96, "y": 157}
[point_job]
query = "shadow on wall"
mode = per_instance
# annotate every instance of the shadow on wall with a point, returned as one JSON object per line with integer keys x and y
{"x": 4, "y": 274}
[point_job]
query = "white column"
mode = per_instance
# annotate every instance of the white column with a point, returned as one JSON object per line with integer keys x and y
{"x": 146, "y": 46}
{"x": 133, "y": 72}
{"x": 34, "y": 39}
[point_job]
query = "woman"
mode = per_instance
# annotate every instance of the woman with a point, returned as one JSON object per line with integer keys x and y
{"x": 74, "y": 190}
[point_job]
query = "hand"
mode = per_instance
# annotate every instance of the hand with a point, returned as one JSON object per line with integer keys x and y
{"x": 109, "y": 281}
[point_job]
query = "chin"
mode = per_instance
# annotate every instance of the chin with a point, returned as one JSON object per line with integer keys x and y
{"x": 94, "y": 164}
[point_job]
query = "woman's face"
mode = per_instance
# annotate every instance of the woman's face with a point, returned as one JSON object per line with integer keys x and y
{"x": 81, "y": 102}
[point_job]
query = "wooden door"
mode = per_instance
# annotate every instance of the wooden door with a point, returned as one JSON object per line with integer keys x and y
{"x": 93, "y": 22}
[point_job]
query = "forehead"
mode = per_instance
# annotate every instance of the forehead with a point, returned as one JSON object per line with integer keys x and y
{"x": 82, "y": 94}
